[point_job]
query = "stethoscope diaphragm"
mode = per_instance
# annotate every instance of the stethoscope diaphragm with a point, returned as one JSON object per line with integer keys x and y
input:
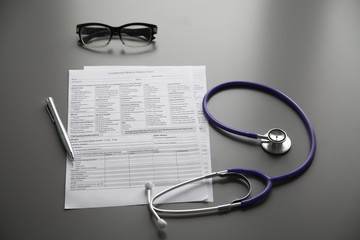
{"x": 276, "y": 141}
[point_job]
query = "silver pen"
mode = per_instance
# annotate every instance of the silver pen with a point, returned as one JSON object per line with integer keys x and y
{"x": 50, "y": 107}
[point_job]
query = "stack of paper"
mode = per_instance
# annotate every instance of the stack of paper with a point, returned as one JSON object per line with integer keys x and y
{"x": 135, "y": 124}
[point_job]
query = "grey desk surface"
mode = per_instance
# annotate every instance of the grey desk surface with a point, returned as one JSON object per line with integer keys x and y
{"x": 310, "y": 50}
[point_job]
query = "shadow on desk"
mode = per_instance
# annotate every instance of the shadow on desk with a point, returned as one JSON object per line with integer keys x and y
{"x": 128, "y": 51}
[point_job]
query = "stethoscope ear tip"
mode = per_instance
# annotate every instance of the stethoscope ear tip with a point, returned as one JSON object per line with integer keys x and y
{"x": 149, "y": 185}
{"x": 161, "y": 223}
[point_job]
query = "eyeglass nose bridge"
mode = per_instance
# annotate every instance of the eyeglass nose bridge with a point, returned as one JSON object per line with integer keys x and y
{"x": 116, "y": 31}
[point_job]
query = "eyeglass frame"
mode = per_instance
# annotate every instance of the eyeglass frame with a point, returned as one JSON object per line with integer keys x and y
{"x": 117, "y": 30}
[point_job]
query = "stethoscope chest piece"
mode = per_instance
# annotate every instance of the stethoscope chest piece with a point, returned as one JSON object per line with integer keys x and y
{"x": 276, "y": 141}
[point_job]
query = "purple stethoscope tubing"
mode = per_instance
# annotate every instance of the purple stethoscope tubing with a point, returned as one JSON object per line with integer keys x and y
{"x": 268, "y": 180}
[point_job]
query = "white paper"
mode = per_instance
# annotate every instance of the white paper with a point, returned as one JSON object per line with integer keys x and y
{"x": 132, "y": 125}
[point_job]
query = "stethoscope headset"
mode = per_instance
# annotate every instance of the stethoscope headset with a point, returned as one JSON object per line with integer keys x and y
{"x": 275, "y": 141}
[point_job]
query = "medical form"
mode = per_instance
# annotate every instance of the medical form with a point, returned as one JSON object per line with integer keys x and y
{"x": 132, "y": 125}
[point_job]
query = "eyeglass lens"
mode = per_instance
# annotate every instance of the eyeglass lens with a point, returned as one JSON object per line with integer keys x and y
{"x": 136, "y": 35}
{"x": 95, "y": 35}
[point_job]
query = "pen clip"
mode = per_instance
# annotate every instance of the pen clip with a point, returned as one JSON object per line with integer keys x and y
{"x": 48, "y": 110}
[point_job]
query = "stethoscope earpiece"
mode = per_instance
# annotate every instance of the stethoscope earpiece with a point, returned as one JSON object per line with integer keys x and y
{"x": 237, "y": 173}
{"x": 275, "y": 141}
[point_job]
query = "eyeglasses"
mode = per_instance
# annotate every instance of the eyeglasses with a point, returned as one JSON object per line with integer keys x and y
{"x": 97, "y": 35}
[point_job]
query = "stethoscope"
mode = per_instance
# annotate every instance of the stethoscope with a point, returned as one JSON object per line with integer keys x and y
{"x": 275, "y": 141}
